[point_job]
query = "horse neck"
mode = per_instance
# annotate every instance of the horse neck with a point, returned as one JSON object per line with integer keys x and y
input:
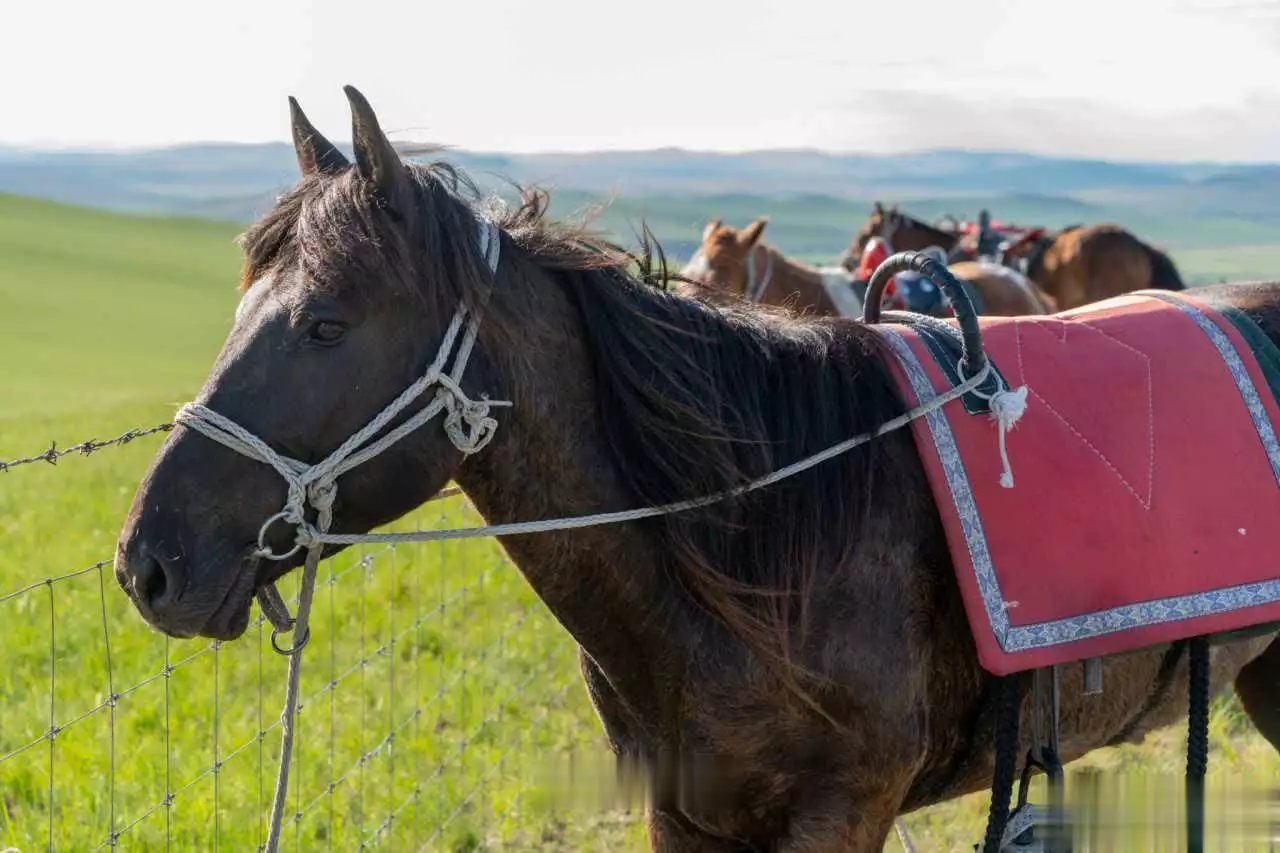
{"x": 795, "y": 284}
{"x": 913, "y": 235}
{"x": 548, "y": 459}
{"x": 631, "y": 397}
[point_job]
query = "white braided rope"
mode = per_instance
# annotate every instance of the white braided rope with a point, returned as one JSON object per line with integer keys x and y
{"x": 757, "y": 286}
{"x": 467, "y": 422}
{"x": 578, "y": 521}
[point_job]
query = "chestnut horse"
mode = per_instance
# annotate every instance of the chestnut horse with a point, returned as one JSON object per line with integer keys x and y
{"x": 793, "y": 665}
{"x": 1086, "y": 263}
{"x": 737, "y": 262}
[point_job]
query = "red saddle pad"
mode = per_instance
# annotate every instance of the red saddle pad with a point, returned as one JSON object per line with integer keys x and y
{"x": 1145, "y": 506}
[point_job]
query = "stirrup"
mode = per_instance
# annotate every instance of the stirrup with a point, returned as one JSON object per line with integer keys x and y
{"x": 1020, "y": 833}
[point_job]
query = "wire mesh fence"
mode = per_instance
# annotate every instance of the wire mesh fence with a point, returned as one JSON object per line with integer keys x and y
{"x": 437, "y": 692}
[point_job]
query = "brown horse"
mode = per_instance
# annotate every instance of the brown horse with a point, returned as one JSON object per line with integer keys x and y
{"x": 794, "y": 665}
{"x": 738, "y": 263}
{"x": 1086, "y": 263}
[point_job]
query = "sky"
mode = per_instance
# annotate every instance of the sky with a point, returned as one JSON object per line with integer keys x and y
{"x": 1119, "y": 79}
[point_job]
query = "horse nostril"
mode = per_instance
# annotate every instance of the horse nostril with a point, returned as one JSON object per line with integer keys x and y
{"x": 155, "y": 585}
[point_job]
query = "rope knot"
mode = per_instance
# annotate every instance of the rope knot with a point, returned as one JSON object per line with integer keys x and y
{"x": 322, "y": 493}
{"x": 1007, "y": 408}
{"x": 467, "y": 422}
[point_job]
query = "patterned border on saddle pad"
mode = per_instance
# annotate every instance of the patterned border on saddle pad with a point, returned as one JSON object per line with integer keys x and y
{"x": 966, "y": 506}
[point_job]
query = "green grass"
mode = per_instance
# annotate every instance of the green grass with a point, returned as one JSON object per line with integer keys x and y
{"x": 109, "y": 323}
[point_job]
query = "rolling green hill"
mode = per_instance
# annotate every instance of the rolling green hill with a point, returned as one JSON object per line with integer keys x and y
{"x": 97, "y": 308}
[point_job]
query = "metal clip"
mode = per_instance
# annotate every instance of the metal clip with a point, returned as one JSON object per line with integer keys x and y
{"x": 1092, "y": 676}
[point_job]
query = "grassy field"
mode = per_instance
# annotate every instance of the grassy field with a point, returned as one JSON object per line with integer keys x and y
{"x": 442, "y": 703}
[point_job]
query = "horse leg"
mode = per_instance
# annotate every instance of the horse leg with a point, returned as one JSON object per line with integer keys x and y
{"x": 670, "y": 832}
{"x": 1258, "y": 686}
{"x": 828, "y": 826}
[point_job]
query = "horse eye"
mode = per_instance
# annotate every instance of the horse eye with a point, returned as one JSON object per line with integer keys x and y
{"x": 327, "y": 332}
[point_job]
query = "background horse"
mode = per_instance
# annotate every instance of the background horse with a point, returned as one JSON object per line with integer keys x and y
{"x": 793, "y": 666}
{"x": 1085, "y": 263}
{"x": 904, "y": 233}
{"x": 737, "y": 262}
{"x": 1074, "y": 266}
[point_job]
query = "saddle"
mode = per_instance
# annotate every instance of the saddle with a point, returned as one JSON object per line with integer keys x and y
{"x": 1150, "y": 421}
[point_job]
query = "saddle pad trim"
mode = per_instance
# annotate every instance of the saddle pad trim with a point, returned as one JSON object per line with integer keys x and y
{"x": 1084, "y": 635}
{"x": 1266, "y": 352}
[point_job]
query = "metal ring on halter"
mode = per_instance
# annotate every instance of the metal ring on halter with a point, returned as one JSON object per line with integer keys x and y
{"x": 295, "y": 648}
{"x": 263, "y": 550}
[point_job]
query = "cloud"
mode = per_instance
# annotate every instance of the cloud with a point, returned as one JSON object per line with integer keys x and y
{"x": 889, "y": 120}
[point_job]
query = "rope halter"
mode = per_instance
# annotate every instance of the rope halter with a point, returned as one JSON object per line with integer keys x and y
{"x": 467, "y": 423}
{"x": 756, "y": 286}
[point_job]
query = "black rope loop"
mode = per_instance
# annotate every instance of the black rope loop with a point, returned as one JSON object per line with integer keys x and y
{"x": 974, "y": 359}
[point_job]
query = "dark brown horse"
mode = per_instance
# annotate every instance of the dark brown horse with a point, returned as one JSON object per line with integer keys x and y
{"x": 904, "y": 233}
{"x": 794, "y": 665}
{"x": 739, "y": 263}
{"x": 1086, "y": 263}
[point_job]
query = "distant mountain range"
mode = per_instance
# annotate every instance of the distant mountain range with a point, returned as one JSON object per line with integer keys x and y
{"x": 815, "y": 199}
{"x": 236, "y": 180}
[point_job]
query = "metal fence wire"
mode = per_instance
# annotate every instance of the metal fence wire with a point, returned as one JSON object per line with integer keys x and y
{"x": 437, "y": 693}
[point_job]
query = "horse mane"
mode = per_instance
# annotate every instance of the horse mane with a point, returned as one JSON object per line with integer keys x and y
{"x": 696, "y": 396}
{"x": 696, "y": 399}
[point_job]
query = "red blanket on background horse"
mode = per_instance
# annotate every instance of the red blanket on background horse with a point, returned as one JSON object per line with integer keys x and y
{"x": 1145, "y": 504}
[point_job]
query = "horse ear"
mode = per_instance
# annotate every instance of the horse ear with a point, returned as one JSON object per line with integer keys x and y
{"x": 377, "y": 161}
{"x": 316, "y": 155}
{"x": 879, "y": 209}
{"x": 712, "y": 225}
{"x": 751, "y": 234}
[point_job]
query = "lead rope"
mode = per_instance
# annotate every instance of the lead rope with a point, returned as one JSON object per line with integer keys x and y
{"x": 289, "y": 714}
{"x": 469, "y": 427}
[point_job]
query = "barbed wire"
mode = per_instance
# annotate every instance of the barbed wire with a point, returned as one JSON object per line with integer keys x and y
{"x": 90, "y": 446}
{"x": 84, "y": 448}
